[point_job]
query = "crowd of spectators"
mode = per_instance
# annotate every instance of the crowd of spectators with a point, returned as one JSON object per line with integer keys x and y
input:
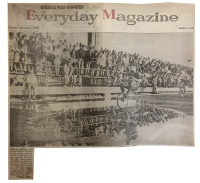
{"x": 46, "y": 56}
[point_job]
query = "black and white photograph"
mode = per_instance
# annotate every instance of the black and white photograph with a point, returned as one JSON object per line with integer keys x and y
{"x": 101, "y": 89}
{"x": 98, "y": 75}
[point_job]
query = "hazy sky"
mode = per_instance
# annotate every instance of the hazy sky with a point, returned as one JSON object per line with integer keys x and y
{"x": 172, "y": 47}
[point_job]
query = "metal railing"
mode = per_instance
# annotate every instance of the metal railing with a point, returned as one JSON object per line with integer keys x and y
{"x": 80, "y": 76}
{"x": 46, "y": 74}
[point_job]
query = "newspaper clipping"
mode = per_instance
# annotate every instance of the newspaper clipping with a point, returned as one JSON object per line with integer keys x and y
{"x": 99, "y": 75}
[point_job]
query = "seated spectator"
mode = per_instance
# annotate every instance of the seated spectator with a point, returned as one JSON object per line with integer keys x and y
{"x": 40, "y": 52}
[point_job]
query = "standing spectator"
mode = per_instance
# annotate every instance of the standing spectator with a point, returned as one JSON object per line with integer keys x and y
{"x": 22, "y": 45}
{"x": 185, "y": 78}
{"x": 48, "y": 37}
{"x": 74, "y": 55}
{"x": 125, "y": 59}
{"x": 154, "y": 80}
{"x": 53, "y": 45}
{"x": 159, "y": 81}
{"x": 75, "y": 74}
{"x": 93, "y": 50}
{"x": 57, "y": 60}
{"x": 73, "y": 52}
{"x": 68, "y": 70}
{"x": 41, "y": 37}
{"x": 87, "y": 60}
{"x": 31, "y": 48}
{"x": 80, "y": 55}
{"x": 37, "y": 40}
{"x": 109, "y": 61}
{"x": 165, "y": 78}
{"x": 102, "y": 62}
{"x": 94, "y": 65}
{"x": 80, "y": 52}
{"x": 61, "y": 44}
{"x": 12, "y": 51}
{"x": 65, "y": 44}
{"x": 41, "y": 58}
{"x": 18, "y": 36}
{"x": 32, "y": 82}
{"x": 49, "y": 52}
{"x": 65, "y": 57}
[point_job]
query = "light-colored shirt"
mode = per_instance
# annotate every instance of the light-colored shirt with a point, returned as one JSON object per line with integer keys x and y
{"x": 58, "y": 52}
{"x": 49, "y": 47}
{"x": 66, "y": 55}
{"x": 31, "y": 79}
{"x": 103, "y": 60}
{"x": 12, "y": 44}
{"x": 126, "y": 60}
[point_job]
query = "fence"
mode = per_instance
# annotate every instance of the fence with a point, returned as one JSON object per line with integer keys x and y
{"x": 89, "y": 76}
{"x": 80, "y": 76}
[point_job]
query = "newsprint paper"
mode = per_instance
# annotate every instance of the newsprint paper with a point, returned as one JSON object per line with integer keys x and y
{"x": 98, "y": 75}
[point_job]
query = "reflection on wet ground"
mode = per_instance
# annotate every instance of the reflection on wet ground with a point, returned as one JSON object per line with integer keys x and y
{"x": 91, "y": 126}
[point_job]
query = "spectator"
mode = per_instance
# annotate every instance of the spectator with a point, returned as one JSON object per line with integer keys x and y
{"x": 57, "y": 60}
{"x": 65, "y": 55}
{"x": 12, "y": 51}
{"x": 41, "y": 52}
{"x": 31, "y": 82}
{"x": 154, "y": 80}
{"x": 80, "y": 52}
{"x": 53, "y": 45}
{"x": 18, "y": 36}
{"x": 22, "y": 45}
{"x": 48, "y": 37}
{"x": 65, "y": 44}
{"x": 31, "y": 48}
{"x": 109, "y": 60}
{"x": 119, "y": 74}
{"x": 87, "y": 61}
{"x": 94, "y": 64}
{"x": 68, "y": 70}
{"x": 73, "y": 52}
{"x": 41, "y": 37}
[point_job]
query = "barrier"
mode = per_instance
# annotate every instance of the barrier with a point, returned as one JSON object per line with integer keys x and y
{"x": 89, "y": 76}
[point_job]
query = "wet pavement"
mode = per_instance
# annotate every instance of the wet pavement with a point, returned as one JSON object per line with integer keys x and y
{"x": 47, "y": 126}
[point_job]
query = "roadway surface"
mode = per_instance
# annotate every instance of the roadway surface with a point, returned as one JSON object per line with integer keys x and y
{"x": 179, "y": 131}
